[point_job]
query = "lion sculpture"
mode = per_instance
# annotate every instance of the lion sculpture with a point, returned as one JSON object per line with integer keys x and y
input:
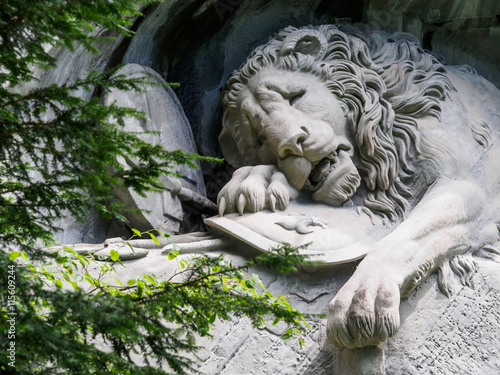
{"x": 354, "y": 116}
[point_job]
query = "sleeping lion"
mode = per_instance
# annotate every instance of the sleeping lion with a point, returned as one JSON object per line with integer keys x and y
{"x": 361, "y": 117}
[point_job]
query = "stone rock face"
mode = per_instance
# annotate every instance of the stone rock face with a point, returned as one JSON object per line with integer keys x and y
{"x": 72, "y": 65}
{"x": 359, "y": 117}
{"x": 450, "y": 336}
{"x": 463, "y": 32}
{"x": 199, "y": 44}
{"x": 438, "y": 335}
{"x": 331, "y": 236}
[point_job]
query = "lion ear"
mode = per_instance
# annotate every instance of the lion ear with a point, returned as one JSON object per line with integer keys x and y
{"x": 305, "y": 41}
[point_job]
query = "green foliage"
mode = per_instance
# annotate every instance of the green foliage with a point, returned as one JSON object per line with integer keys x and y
{"x": 58, "y": 156}
{"x": 64, "y": 306}
{"x": 283, "y": 259}
{"x": 29, "y": 27}
{"x": 49, "y": 164}
{"x": 56, "y": 148}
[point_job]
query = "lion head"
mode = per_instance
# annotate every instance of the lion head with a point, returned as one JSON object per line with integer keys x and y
{"x": 336, "y": 111}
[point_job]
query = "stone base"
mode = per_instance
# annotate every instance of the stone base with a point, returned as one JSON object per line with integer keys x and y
{"x": 438, "y": 335}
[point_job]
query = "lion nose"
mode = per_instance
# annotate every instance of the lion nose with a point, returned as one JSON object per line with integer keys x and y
{"x": 292, "y": 143}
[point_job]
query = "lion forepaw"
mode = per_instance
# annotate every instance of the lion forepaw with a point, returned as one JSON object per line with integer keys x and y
{"x": 254, "y": 189}
{"x": 364, "y": 313}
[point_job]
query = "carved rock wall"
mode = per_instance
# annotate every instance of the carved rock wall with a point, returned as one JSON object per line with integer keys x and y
{"x": 463, "y": 32}
{"x": 198, "y": 43}
{"x": 438, "y": 335}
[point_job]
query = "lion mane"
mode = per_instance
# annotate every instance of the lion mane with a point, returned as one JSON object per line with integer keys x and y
{"x": 387, "y": 81}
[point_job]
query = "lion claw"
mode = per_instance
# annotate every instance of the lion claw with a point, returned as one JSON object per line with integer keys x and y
{"x": 242, "y": 201}
{"x": 222, "y": 206}
{"x": 272, "y": 203}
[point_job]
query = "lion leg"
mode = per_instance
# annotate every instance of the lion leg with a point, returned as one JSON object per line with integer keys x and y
{"x": 366, "y": 310}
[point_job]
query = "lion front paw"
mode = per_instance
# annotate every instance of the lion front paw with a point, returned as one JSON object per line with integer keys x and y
{"x": 364, "y": 312}
{"x": 255, "y": 188}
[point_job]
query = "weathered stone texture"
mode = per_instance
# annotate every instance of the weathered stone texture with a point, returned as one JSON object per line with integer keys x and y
{"x": 193, "y": 43}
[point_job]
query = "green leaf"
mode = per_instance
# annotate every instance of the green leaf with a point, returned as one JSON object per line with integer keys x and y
{"x": 150, "y": 279}
{"x": 59, "y": 283}
{"x": 70, "y": 252}
{"x": 114, "y": 255}
{"x": 136, "y": 232}
{"x": 66, "y": 276}
{"x": 154, "y": 238}
{"x": 131, "y": 282}
{"x": 249, "y": 284}
{"x": 172, "y": 254}
{"x": 131, "y": 248}
{"x": 13, "y": 255}
{"x": 302, "y": 343}
{"x": 212, "y": 318}
{"x": 287, "y": 335}
{"x": 166, "y": 235}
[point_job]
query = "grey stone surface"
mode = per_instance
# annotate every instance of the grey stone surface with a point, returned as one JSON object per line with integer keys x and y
{"x": 72, "y": 65}
{"x": 359, "y": 117}
{"x": 441, "y": 336}
{"x": 80, "y": 248}
{"x": 165, "y": 117}
{"x": 463, "y": 32}
{"x": 332, "y": 236}
{"x": 193, "y": 43}
{"x": 438, "y": 335}
{"x": 449, "y": 336}
{"x": 363, "y": 361}
{"x": 201, "y": 43}
{"x": 126, "y": 253}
